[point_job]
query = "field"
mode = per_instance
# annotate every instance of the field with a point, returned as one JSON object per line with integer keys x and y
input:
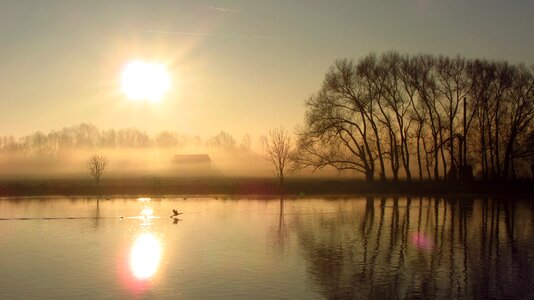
{"x": 261, "y": 186}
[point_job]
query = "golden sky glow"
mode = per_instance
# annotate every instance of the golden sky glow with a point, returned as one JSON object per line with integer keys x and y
{"x": 61, "y": 61}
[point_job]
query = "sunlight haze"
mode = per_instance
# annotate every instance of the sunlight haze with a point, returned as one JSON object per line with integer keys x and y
{"x": 229, "y": 60}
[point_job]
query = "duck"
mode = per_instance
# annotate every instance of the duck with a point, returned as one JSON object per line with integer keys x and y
{"x": 175, "y": 213}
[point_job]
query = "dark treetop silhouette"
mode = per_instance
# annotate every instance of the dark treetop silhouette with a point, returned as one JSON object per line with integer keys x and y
{"x": 447, "y": 114}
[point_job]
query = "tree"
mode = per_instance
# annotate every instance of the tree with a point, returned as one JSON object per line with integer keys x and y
{"x": 340, "y": 130}
{"x": 97, "y": 166}
{"x": 133, "y": 138}
{"x": 453, "y": 86}
{"x": 222, "y": 142}
{"x": 246, "y": 143}
{"x": 435, "y": 109}
{"x": 278, "y": 150}
{"x": 520, "y": 113}
{"x": 394, "y": 104}
{"x": 166, "y": 139}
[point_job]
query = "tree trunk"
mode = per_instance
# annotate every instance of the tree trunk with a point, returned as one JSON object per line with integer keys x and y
{"x": 463, "y": 154}
{"x": 508, "y": 155}
{"x": 380, "y": 154}
{"x": 420, "y": 167}
{"x": 491, "y": 152}
{"x": 451, "y": 141}
{"x": 442, "y": 151}
{"x": 497, "y": 156}
{"x": 436, "y": 157}
{"x": 427, "y": 160}
{"x": 406, "y": 161}
{"x": 394, "y": 157}
{"x": 483, "y": 148}
{"x": 369, "y": 176}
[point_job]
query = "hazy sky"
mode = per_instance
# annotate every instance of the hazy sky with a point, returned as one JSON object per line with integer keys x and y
{"x": 239, "y": 66}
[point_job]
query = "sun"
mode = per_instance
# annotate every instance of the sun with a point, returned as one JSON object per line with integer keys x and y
{"x": 144, "y": 81}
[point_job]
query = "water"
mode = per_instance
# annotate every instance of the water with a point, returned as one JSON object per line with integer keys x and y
{"x": 359, "y": 248}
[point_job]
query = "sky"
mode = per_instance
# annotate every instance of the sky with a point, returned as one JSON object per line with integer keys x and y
{"x": 238, "y": 66}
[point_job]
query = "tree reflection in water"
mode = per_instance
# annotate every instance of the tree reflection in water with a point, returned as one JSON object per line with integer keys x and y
{"x": 419, "y": 248}
{"x": 280, "y": 233}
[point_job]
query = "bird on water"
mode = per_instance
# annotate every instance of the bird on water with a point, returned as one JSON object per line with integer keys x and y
{"x": 175, "y": 213}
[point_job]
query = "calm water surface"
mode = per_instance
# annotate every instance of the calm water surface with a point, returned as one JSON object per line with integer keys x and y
{"x": 358, "y": 248}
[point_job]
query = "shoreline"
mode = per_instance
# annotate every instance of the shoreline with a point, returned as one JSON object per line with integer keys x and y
{"x": 261, "y": 187}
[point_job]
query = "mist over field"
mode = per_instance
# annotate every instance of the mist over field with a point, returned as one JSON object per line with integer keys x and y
{"x": 131, "y": 152}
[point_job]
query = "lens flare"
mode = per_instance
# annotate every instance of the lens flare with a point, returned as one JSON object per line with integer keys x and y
{"x": 421, "y": 241}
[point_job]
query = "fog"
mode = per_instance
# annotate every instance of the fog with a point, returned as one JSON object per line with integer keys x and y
{"x": 131, "y": 152}
{"x": 133, "y": 163}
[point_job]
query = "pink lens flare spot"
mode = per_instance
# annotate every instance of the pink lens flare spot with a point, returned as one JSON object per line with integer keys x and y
{"x": 421, "y": 241}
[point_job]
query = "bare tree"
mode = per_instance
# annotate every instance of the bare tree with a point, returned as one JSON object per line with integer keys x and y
{"x": 394, "y": 105}
{"x": 340, "y": 130}
{"x": 423, "y": 79}
{"x": 520, "y": 114}
{"x": 97, "y": 166}
{"x": 167, "y": 139}
{"x": 453, "y": 86}
{"x": 222, "y": 142}
{"x": 246, "y": 143}
{"x": 278, "y": 148}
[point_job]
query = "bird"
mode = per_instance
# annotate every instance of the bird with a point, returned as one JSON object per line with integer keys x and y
{"x": 175, "y": 213}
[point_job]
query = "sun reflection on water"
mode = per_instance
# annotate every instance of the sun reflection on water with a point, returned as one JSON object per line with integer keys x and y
{"x": 147, "y": 212}
{"x": 144, "y": 200}
{"x": 146, "y": 251}
{"x": 145, "y": 256}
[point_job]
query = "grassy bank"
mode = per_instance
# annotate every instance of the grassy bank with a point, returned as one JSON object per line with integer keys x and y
{"x": 253, "y": 186}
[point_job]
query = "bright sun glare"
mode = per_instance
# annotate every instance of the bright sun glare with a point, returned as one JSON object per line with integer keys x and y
{"x": 145, "y": 256}
{"x": 145, "y": 81}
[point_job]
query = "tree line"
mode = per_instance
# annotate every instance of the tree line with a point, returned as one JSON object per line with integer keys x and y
{"x": 87, "y": 136}
{"x": 421, "y": 116}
